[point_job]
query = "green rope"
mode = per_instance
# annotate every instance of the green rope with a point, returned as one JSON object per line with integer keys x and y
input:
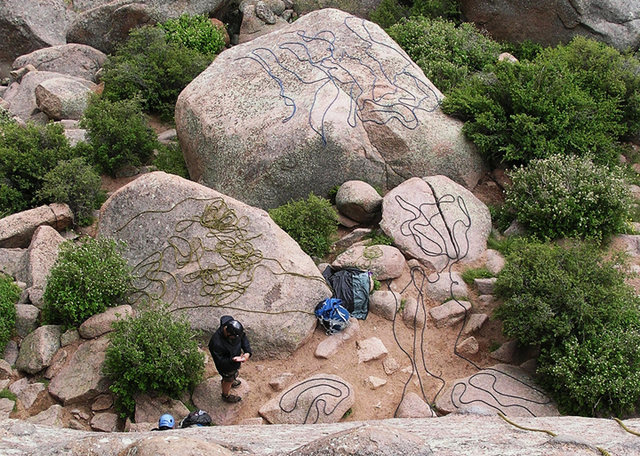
{"x": 222, "y": 262}
{"x": 630, "y": 431}
{"x": 546, "y": 431}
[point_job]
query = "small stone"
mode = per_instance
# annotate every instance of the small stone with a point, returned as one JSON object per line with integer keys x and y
{"x": 375, "y": 382}
{"x": 371, "y": 349}
{"x": 390, "y": 365}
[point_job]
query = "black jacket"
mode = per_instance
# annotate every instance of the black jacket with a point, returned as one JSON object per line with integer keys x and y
{"x": 223, "y": 349}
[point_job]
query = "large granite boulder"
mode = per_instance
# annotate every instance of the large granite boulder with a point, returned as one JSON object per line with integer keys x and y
{"x": 303, "y": 109}
{"x": 82, "y": 379}
{"x": 17, "y": 229}
{"x": 27, "y": 26}
{"x": 63, "y": 98}
{"x": 76, "y": 60}
{"x": 211, "y": 255}
{"x": 436, "y": 221}
{"x": 323, "y": 398}
{"x": 501, "y": 388}
{"x": 176, "y": 444}
{"x": 550, "y": 22}
{"x": 38, "y": 348}
{"x": 103, "y": 24}
{"x": 22, "y": 97}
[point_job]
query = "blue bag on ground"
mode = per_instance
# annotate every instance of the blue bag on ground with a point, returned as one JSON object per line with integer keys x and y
{"x": 331, "y": 315}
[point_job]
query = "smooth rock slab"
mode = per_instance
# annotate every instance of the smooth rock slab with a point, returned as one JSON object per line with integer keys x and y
{"x": 436, "y": 221}
{"x": 500, "y": 388}
{"x": 175, "y": 444}
{"x": 323, "y": 398}
{"x": 97, "y": 325}
{"x": 367, "y": 440}
{"x": 413, "y": 406}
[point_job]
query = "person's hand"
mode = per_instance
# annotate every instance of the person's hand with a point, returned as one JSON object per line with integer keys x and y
{"x": 241, "y": 359}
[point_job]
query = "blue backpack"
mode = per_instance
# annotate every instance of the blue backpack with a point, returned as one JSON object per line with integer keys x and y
{"x": 331, "y": 315}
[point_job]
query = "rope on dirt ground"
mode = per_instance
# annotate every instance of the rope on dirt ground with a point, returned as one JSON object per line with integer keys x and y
{"x": 448, "y": 238}
{"x": 319, "y": 389}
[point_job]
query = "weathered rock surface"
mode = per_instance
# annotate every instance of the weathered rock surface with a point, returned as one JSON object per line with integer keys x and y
{"x": 42, "y": 255}
{"x": 384, "y": 261}
{"x": 282, "y": 125}
{"x": 359, "y": 201}
{"x": 27, "y": 26}
{"x": 449, "y": 313}
{"x": 77, "y": 60}
{"x": 38, "y": 348}
{"x": 82, "y": 378}
{"x": 63, "y": 98}
{"x": 202, "y": 251}
{"x": 500, "y": 388}
{"x": 368, "y": 440}
{"x": 17, "y": 229}
{"x": 323, "y": 398}
{"x": 472, "y": 434}
{"x": 99, "y": 324}
{"x": 436, "y": 221}
{"x": 103, "y": 24}
{"x": 22, "y": 97}
{"x": 385, "y": 303}
{"x": 174, "y": 444}
{"x": 12, "y": 262}
{"x": 361, "y": 8}
{"x": 550, "y": 22}
{"x": 413, "y": 406}
{"x": 150, "y": 408}
{"x": 371, "y": 349}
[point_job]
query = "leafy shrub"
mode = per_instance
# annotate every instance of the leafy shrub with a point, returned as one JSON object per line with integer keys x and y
{"x": 446, "y": 9}
{"x": 152, "y": 352}
{"x": 26, "y": 155}
{"x": 312, "y": 223}
{"x": 576, "y": 307}
{"x": 388, "y": 12}
{"x": 170, "y": 160}
{"x": 5, "y": 117}
{"x": 447, "y": 54}
{"x": 118, "y": 134}
{"x": 470, "y": 275}
{"x": 151, "y": 67}
{"x": 9, "y": 295}
{"x": 85, "y": 280}
{"x": 377, "y": 237}
{"x": 569, "y": 197}
{"x": 576, "y": 99}
{"x": 75, "y": 183}
{"x": 195, "y": 32}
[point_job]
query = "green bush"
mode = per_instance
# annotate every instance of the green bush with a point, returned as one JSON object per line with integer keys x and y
{"x": 5, "y": 117}
{"x": 75, "y": 183}
{"x": 170, "y": 160}
{"x": 9, "y": 295}
{"x": 446, "y": 9}
{"x": 153, "y": 68}
{"x": 577, "y": 308}
{"x": 85, "y": 280}
{"x": 575, "y": 99}
{"x": 568, "y": 196}
{"x": 378, "y": 237}
{"x": 312, "y": 223}
{"x": 152, "y": 352}
{"x": 195, "y": 32}
{"x": 388, "y": 12}
{"x": 447, "y": 54}
{"x": 470, "y": 275}
{"x": 118, "y": 134}
{"x": 26, "y": 155}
